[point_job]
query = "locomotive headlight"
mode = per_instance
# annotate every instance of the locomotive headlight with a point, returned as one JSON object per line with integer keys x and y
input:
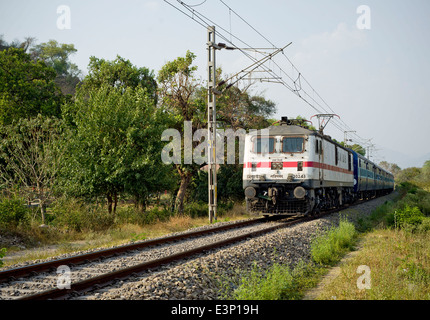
{"x": 276, "y": 165}
{"x": 299, "y": 192}
{"x": 250, "y": 192}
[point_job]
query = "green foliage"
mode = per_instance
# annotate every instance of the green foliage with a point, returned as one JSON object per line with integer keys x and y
{"x": 238, "y": 108}
{"x": 196, "y": 209}
{"x": 2, "y": 254}
{"x": 279, "y": 283}
{"x": 181, "y": 93}
{"x": 408, "y": 212}
{"x": 414, "y": 272}
{"x": 57, "y": 56}
{"x": 112, "y": 146}
{"x": 326, "y": 249}
{"x": 13, "y": 212}
{"x": 75, "y": 215}
{"x": 229, "y": 181}
{"x": 408, "y": 216}
{"x": 392, "y": 167}
{"x": 32, "y": 152}
{"x": 181, "y": 65}
{"x": 381, "y": 216}
{"x": 119, "y": 73}
{"x": 134, "y": 216}
{"x": 359, "y": 149}
{"x": 270, "y": 287}
{"x": 411, "y": 211}
{"x": 115, "y": 129}
{"x": 408, "y": 175}
{"x": 27, "y": 87}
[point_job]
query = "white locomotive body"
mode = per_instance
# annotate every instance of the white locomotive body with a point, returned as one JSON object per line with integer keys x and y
{"x": 291, "y": 170}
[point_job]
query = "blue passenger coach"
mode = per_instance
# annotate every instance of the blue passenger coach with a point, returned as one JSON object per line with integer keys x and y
{"x": 369, "y": 179}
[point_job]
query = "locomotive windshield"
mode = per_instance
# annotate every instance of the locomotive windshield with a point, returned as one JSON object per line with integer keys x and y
{"x": 292, "y": 144}
{"x": 264, "y": 145}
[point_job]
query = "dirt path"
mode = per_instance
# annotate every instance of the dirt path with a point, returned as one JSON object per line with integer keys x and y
{"x": 330, "y": 276}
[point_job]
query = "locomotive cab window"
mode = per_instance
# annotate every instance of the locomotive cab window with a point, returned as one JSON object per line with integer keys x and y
{"x": 264, "y": 145}
{"x": 292, "y": 144}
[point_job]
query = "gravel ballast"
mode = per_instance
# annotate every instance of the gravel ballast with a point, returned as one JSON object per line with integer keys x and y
{"x": 206, "y": 276}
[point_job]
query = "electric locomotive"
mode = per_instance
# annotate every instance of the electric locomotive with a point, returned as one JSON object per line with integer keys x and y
{"x": 292, "y": 170}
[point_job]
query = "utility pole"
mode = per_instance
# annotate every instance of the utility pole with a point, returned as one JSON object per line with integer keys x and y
{"x": 212, "y": 91}
{"x": 212, "y": 181}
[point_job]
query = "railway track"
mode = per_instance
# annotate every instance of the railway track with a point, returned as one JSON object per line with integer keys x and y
{"x": 98, "y": 269}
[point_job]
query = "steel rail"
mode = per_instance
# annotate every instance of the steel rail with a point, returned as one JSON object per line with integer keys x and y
{"x": 108, "y": 278}
{"x": 11, "y": 274}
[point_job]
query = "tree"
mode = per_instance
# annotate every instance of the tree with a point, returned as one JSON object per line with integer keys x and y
{"x": 426, "y": 170}
{"x": 408, "y": 174}
{"x": 25, "y": 45}
{"x": 112, "y": 145}
{"x": 27, "y": 87}
{"x": 57, "y": 56}
{"x": 239, "y": 108}
{"x": 392, "y": 167}
{"x": 185, "y": 99}
{"x": 179, "y": 97}
{"x": 115, "y": 134}
{"x": 32, "y": 155}
{"x": 119, "y": 73}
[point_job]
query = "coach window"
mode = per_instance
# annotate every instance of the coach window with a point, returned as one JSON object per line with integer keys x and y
{"x": 336, "y": 155}
{"x": 292, "y": 144}
{"x": 349, "y": 162}
{"x": 264, "y": 145}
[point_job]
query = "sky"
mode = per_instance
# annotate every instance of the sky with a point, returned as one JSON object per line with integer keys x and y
{"x": 371, "y": 67}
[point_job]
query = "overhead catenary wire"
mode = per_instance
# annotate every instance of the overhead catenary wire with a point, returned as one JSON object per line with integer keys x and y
{"x": 296, "y": 86}
{"x": 342, "y": 125}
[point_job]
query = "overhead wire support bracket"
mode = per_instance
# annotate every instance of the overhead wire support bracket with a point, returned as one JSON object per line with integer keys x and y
{"x": 253, "y": 68}
{"x": 324, "y": 116}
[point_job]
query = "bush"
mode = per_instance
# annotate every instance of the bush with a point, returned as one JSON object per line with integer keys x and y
{"x": 133, "y": 215}
{"x": 155, "y": 214}
{"x": 13, "y": 212}
{"x": 327, "y": 248}
{"x": 408, "y": 216}
{"x": 196, "y": 209}
{"x": 72, "y": 214}
{"x": 425, "y": 225}
{"x": 381, "y": 216}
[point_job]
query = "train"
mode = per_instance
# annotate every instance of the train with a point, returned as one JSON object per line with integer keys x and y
{"x": 289, "y": 169}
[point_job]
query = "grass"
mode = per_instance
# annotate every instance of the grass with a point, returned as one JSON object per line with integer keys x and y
{"x": 328, "y": 248}
{"x": 280, "y": 282}
{"x": 396, "y": 250}
{"x": 399, "y": 265}
{"x": 394, "y": 258}
{"x": 57, "y": 242}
